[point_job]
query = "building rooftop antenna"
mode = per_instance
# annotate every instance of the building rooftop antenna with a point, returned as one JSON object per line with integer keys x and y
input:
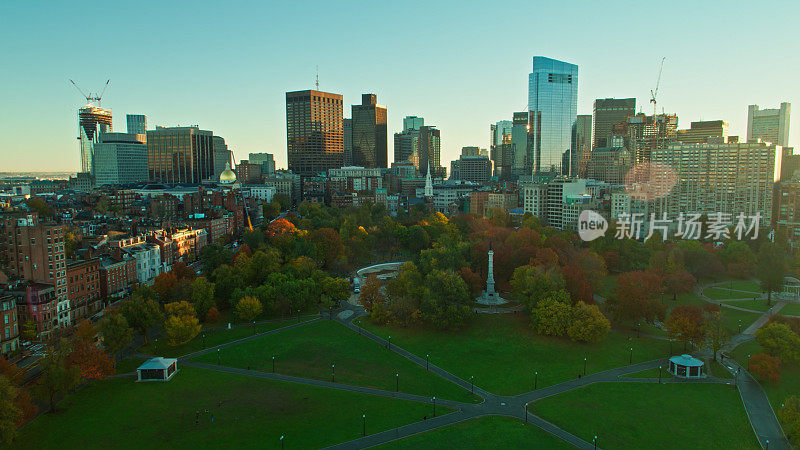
{"x": 317, "y": 78}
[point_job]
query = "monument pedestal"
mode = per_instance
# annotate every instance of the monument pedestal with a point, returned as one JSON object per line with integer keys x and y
{"x": 490, "y": 296}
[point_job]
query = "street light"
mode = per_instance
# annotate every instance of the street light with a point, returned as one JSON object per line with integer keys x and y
{"x": 364, "y": 424}
{"x": 472, "y": 383}
{"x": 434, "y": 406}
{"x": 397, "y": 377}
{"x": 273, "y": 363}
{"x": 254, "y": 328}
{"x": 630, "y": 357}
{"x": 281, "y": 442}
{"x": 659, "y": 374}
{"x": 427, "y": 364}
{"x": 740, "y": 326}
{"x": 584, "y": 366}
{"x": 298, "y": 315}
{"x": 389, "y": 343}
{"x": 535, "y": 380}
{"x": 204, "y": 340}
{"x": 218, "y": 356}
{"x": 333, "y": 373}
{"x": 748, "y": 362}
{"x": 594, "y": 441}
{"x": 638, "y": 328}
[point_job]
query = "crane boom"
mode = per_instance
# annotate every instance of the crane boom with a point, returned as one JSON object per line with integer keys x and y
{"x": 654, "y": 93}
{"x": 79, "y": 90}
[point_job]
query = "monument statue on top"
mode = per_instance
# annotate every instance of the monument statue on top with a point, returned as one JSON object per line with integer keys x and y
{"x": 490, "y": 296}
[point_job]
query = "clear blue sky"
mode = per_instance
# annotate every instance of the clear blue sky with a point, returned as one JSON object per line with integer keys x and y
{"x": 462, "y": 65}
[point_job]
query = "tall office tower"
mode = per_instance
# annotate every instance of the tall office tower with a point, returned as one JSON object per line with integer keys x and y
{"x": 553, "y": 106}
{"x": 314, "y": 134}
{"x": 120, "y": 158}
{"x": 501, "y": 150}
{"x": 608, "y": 112}
{"x": 137, "y": 123}
{"x": 92, "y": 121}
{"x": 473, "y": 151}
{"x": 609, "y": 164}
{"x": 267, "y": 161}
{"x": 700, "y": 132}
{"x": 369, "y": 133}
{"x": 769, "y": 125}
{"x": 419, "y": 144}
{"x": 347, "y": 141}
{"x": 520, "y": 143}
{"x": 33, "y": 250}
{"x": 719, "y": 176}
{"x": 583, "y": 141}
{"x": 222, "y": 156}
{"x": 180, "y": 154}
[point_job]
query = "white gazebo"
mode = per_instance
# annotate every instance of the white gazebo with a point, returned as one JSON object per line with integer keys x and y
{"x": 686, "y": 366}
{"x": 157, "y": 369}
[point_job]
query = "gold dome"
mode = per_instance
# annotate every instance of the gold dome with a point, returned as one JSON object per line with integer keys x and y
{"x": 227, "y": 176}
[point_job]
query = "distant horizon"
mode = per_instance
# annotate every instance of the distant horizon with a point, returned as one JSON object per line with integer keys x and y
{"x": 451, "y": 66}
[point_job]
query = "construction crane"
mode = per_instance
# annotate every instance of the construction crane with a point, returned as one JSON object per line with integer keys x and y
{"x": 654, "y": 92}
{"x": 90, "y": 98}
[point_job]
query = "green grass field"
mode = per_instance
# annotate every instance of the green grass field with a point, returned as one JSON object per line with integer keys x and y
{"x": 502, "y": 352}
{"x": 213, "y": 337}
{"x": 652, "y": 416}
{"x": 776, "y": 392}
{"x": 723, "y": 293}
{"x": 650, "y": 373}
{"x": 791, "y": 309}
{"x": 310, "y": 350}
{"x": 120, "y": 413}
{"x": 751, "y": 286}
{"x": 128, "y": 364}
{"x": 731, "y": 318}
{"x": 483, "y": 433}
{"x": 755, "y": 305}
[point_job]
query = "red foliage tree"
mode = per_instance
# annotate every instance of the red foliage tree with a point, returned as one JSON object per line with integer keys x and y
{"x": 686, "y": 323}
{"x": 765, "y": 367}
{"x": 182, "y": 271}
{"x": 635, "y": 295}
{"x": 280, "y": 227}
{"x": 212, "y": 316}
{"x": 473, "y": 280}
{"x": 577, "y": 285}
{"x": 679, "y": 282}
{"x": 94, "y": 362}
{"x": 164, "y": 285}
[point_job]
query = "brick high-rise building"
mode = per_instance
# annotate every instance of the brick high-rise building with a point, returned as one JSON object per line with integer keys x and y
{"x": 314, "y": 135}
{"x": 83, "y": 281}
{"x": 34, "y": 251}
{"x": 369, "y": 147}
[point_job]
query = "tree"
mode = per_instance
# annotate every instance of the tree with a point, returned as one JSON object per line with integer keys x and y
{"x": 532, "y": 283}
{"x": 212, "y": 316}
{"x": 445, "y": 301}
{"x": 635, "y": 295}
{"x": 686, "y": 324}
{"x": 164, "y": 284}
{"x": 202, "y": 296}
{"x": 248, "y": 308}
{"x": 179, "y": 309}
{"x": 371, "y": 294}
{"x": 779, "y": 340}
{"x": 9, "y": 412}
{"x": 57, "y": 377}
{"x": 678, "y": 282}
{"x": 142, "y": 313}
{"x": 717, "y": 336}
{"x": 552, "y": 314}
{"x": 587, "y": 324}
{"x": 92, "y": 361}
{"x": 334, "y": 291}
{"x": 181, "y": 329}
{"x": 114, "y": 331}
{"x": 771, "y": 268}
{"x": 790, "y": 417}
{"x": 28, "y": 330}
{"x": 765, "y": 367}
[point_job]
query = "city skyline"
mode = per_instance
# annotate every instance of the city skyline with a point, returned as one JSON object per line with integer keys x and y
{"x": 243, "y": 99}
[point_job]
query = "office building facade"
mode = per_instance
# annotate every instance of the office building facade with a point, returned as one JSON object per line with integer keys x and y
{"x": 314, "y": 132}
{"x": 92, "y": 121}
{"x": 120, "y": 158}
{"x": 419, "y": 144}
{"x": 180, "y": 155}
{"x": 606, "y": 113}
{"x": 136, "y": 123}
{"x": 769, "y": 125}
{"x": 369, "y": 142}
{"x": 583, "y": 143}
{"x": 553, "y": 109}
{"x": 701, "y": 132}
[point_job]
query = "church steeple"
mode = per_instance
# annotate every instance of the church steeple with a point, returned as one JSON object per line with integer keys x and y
{"x": 428, "y": 182}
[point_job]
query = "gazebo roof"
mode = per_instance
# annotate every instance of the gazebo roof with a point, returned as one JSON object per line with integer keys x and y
{"x": 157, "y": 363}
{"x": 686, "y": 361}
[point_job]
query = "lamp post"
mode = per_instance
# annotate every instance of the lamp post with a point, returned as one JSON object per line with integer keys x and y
{"x": 748, "y": 362}
{"x": 363, "y": 425}
{"x": 434, "y": 406}
{"x": 254, "y": 328}
{"x": 630, "y": 356}
{"x": 535, "y": 380}
{"x": 389, "y": 343}
{"x": 638, "y": 328}
{"x": 333, "y": 373}
{"x": 397, "y": 378}
{"x": 584, "y": 366}
{"x": 472, "y": 383}
{"x": 740, "y": 326}
{"x": 659, "y": 374}
{"x": 298, "y": 315}
{"x": 767, "y": 446}
{"x": 204, "y": 340}
{"x": 273, "y": 363}
{"x": 594, "y": 441}
{"x": 427, "y": 364}
{"x": 218, "y": 356}
{"x": 281, "y": 442}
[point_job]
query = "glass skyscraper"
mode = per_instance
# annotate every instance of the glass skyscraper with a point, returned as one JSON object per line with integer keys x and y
{"x": 553, "y": 108}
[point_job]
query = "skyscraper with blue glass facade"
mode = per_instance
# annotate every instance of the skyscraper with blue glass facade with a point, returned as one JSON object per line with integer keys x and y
{"x": 553, "y": 110}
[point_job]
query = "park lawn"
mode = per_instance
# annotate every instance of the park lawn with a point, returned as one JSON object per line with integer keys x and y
{"x": 309, "y": 352}
{"x": 751, "y": 286}
{"x": 755, "y": 305}
{"x": 718, "y": 370}
{"x": 502, "y": 352}
{"x": 652, "y": 416}
{"x": 649, "y": 373}
{"x": 128, "y": 365}
{"x": 608, "y": 286}
{"x": 791, "y": 309}
{"x": 688, "y": 298}
{"x": 255, "y": 412}
{"x": 721, "y": 293}
{"x": 488, "y": 432}
{"x": 776, "y": 392}
{"x": 731, "y": 318}
{"x": 213, "y": 337}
